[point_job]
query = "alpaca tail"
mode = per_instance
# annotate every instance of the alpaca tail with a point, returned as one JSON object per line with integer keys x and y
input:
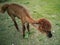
{"x": 4, "y": 8}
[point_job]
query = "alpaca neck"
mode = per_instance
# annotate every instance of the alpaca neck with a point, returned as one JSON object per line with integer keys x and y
{"x": 32, "y": 22}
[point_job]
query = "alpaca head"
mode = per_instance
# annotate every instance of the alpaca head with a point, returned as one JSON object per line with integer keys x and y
{"x": 45, "y": 27}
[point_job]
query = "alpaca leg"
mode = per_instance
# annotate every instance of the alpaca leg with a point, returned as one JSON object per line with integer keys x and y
{"x": 13, "y": 18}
{"x": 24, "y": 30}
{"x": 28, "y": 28}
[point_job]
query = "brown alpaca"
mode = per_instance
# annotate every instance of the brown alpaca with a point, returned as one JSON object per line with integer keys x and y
{"x": 15, "y": 10}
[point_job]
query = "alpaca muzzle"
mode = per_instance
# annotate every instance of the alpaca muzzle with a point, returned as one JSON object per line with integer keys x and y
{"x": 49, "y": 35}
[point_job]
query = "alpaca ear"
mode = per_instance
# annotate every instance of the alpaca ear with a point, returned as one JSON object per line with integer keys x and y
{"x": 36, "y": 25}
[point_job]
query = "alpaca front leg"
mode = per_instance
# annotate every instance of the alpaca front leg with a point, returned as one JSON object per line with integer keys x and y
{"x": 24, "y": 30}
{"x": 28, "y": 28}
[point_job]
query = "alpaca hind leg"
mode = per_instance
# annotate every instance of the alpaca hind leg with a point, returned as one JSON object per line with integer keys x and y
{"x": 13, "y": 18}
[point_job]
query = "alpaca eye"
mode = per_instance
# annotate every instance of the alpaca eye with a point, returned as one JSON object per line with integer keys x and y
{"x": 46, "y": 26}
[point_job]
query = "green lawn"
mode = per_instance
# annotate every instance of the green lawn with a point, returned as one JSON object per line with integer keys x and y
{"x": 49, "y": 9}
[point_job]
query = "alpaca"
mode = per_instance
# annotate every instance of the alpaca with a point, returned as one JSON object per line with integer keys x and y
{"x": 15, "y": 10}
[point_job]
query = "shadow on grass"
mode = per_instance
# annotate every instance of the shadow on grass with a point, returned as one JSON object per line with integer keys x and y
{"x": 2, "y": 1}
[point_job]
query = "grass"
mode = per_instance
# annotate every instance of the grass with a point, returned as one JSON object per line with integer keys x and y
{"x": 49, "y": 9}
